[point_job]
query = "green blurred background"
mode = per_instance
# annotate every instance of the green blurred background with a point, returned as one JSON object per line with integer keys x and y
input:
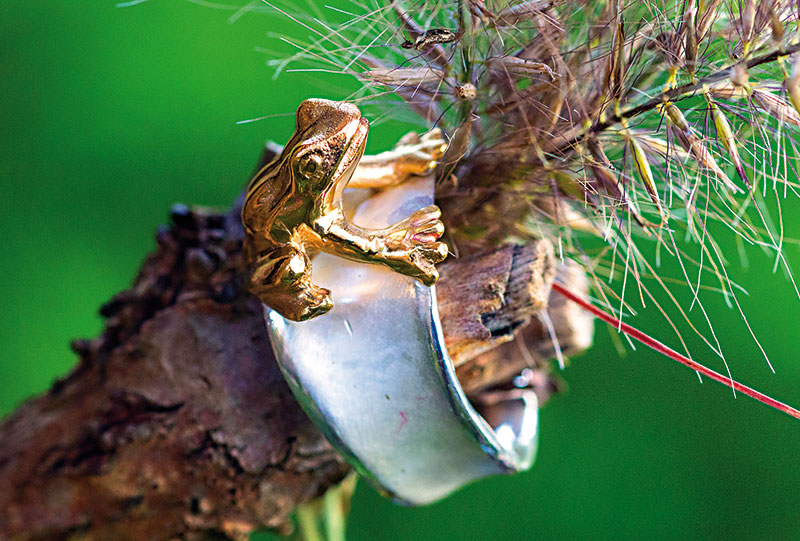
{"x": 109, "y": 115}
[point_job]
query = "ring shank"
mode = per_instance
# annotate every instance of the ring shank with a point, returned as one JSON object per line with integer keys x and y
{"x": 375, "y": 377}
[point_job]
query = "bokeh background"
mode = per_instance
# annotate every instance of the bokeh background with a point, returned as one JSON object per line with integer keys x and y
{"x": 109, "y": 114}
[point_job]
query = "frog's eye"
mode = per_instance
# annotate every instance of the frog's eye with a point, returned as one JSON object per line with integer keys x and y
{"x": 309, "y": 164}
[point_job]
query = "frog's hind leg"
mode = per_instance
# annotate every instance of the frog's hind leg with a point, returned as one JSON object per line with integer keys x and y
{"x": 282, "y": 280}
{"x": 412, "y": 155}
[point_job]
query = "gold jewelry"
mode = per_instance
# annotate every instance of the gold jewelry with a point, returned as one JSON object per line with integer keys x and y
{"x": 294, "y": 209}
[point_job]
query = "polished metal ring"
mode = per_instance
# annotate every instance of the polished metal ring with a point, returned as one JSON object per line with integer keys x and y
{"x": 375, "y": 377}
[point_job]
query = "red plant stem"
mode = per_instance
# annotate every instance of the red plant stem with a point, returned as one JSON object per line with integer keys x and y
{"x": 674, "y": 355}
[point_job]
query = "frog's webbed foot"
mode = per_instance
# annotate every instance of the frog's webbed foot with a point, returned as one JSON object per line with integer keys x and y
{"x": 423, "y": 226}
{"x": 412, "y": 247}
{"x": 412, "y": 155}
{"x": 419, "y": 262}
{"x": 418, "y": 155}
{"x": 281, "y": 279}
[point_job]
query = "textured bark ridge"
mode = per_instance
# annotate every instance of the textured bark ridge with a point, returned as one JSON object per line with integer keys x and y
{"x": 177, "y": 422}
{"x": 530, "y": 350}
{"x": 514, "y": 284}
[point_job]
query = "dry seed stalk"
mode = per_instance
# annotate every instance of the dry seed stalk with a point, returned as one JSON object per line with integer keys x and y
{"x": 630, "y": 114}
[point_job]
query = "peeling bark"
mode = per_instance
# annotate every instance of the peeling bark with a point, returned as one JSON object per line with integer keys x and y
{"x": 177, "y": 422}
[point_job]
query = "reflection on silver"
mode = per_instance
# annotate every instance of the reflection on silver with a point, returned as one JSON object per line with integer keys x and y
{"x": 375, "y": 377}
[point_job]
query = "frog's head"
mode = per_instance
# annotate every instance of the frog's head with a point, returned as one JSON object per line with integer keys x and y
{"x": 327, "y": 144}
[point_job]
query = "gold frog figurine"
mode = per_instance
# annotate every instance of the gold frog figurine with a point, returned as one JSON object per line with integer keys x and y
{"x": 293, "y": 209}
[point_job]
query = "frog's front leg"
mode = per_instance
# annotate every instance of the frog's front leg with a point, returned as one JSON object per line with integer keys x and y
{"x": 281, "y": 279}
{"x": 409, "y": 247}
{"x": 412, "y": 155}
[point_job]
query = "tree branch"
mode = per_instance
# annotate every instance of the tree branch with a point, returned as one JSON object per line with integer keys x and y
{"x": 177, "y": 421}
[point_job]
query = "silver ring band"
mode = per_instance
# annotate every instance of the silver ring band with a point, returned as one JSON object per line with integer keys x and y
{"x": 375, "y": 377}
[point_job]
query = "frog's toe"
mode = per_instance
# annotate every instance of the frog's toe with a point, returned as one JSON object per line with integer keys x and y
{"x": 436, "y": 252}
{"x": 425, "y": 225}
{"x": 317, "y": 300}
{"x": 316, "y": 308}
{"x": 426, "y": 215}
{"x": 434, "y": 144}
{"x": 430, "y": 277}
{"x": 428, "y": 233}
{"x": 311, "y": 301}
{"x": 411, "y": 138}
{"x": 425, "y": 273}
{"x": 424, "y": 259}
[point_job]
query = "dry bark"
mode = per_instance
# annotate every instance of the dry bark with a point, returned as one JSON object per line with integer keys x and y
{"x": 532, "y": 347}
{"x": 177, "y": 422}
{"x": 485, "y": 298}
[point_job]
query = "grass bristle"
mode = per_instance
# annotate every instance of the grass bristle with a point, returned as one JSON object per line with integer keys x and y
{"x": 616, "y": 130}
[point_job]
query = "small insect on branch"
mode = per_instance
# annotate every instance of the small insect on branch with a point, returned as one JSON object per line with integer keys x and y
{"x": 435, "y": 36}
{"x": 655, "y": 345}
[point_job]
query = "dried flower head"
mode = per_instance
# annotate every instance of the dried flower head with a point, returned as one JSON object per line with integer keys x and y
{"x": 650, "y": 121}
